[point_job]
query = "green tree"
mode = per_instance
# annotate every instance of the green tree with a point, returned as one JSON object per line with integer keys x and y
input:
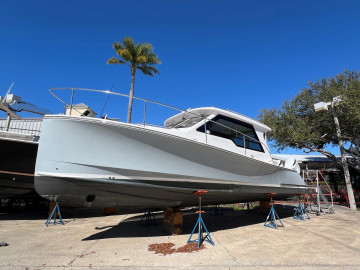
{"x": 138, "y": 57}
{"x": 297, "y": 125}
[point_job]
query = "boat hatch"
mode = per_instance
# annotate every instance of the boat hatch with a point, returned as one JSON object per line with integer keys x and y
{"x": 187, "y": 122}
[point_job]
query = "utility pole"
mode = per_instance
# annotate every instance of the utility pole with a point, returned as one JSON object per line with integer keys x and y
{"x": 344, "y": 160}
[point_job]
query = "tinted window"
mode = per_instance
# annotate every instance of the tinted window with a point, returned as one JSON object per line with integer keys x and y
{"x": 235, "y": 132}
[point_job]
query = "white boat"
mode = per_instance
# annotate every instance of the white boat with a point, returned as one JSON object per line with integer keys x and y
{"x": 101, "y": 162}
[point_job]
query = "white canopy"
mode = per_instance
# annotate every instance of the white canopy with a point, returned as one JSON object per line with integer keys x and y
{"x": 207, "y": 111}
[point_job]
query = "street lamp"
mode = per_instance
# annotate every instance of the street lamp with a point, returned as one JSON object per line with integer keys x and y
{"x": 324, "y": 106}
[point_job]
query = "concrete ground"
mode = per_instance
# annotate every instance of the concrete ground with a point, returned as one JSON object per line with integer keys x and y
{"x": 91, "y": 241}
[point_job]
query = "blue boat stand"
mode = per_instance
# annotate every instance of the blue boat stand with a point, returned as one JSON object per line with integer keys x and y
{"x": 272, "y": 216}
{"x": 148, "y": 218}
{"x": 300, "y": 212}
{"x": 200, "y": 225}
{"x": 271, "y": 219}
{"x": 54, "y": 212}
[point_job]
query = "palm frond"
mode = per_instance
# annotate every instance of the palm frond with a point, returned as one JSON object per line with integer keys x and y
{"x": 130, "y": 46}
{"x": 144, "y": 48}
{"x": 153, "y": 59}
{"x": 117, "y": 46}
{"x": 126, "y": 55}
{"x": 128, "y": 42}
{"x": 148, "y": 70}
{"x": 115, "y": 61}
{"x": 141, "y": 59}
{"x": 153, "y": 70}
{"x": 145, "y": 71}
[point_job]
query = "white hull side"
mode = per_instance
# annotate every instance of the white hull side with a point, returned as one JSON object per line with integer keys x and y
{"x": 79, "y": 156}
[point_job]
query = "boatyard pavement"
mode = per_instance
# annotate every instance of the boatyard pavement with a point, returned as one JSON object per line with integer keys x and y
{"x": 89, "y": 240}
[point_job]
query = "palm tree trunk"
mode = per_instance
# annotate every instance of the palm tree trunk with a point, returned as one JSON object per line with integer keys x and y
{"x": 133, "y": 72}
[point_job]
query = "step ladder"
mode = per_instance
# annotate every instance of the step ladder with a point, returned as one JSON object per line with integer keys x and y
{"x": 320, "y": 204}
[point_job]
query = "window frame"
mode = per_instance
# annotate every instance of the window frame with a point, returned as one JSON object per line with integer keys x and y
{"x": 245, "y": 142}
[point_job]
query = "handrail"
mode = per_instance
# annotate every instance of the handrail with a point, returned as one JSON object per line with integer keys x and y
{"x": 318, "y": 190}
{"x": 108, "y": 92}
{"x": 331, "y": 196}
{"x": 146, "y": 100}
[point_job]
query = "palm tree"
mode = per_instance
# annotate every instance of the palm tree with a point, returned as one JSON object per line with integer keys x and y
{"x": 138, "y": 57}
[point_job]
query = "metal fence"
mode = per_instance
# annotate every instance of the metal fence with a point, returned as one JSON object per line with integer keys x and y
{"x": 29, "y": 126}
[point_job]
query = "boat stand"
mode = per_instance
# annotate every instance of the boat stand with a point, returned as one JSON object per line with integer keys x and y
{"x": 216, "y": 210}
{"x": 200, "y": 224}
{"x": 272, "y": 216}
{"x": 300, "y": 212}
{"x": 149, "y": 218}
{"x": 54, "y": 212}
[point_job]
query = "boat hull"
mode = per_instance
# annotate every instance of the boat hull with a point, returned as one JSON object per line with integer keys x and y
{"x": 85, "y": 161}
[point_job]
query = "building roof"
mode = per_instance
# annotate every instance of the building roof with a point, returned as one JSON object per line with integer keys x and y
{"x": 78, "y": 105}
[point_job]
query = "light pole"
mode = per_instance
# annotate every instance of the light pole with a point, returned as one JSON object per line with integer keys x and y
{"x": 323, "y": 106}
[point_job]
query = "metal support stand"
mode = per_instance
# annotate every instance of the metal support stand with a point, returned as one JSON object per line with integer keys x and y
{"x": 54, "y": 212}
{"x": 200, "y": 224}
{"x": 149, "y": 218}
{"x": 300, "y": 212}
{"x": 272, "y": 216}
{"x": 216, "y": 210}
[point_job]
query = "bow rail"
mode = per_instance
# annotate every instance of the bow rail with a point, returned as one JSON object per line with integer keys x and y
{"x": 205, "y": 118}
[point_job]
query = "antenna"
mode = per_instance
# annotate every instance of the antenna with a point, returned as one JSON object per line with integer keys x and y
{"x": 106, "y": 101}
{"x": 4, "y": 99}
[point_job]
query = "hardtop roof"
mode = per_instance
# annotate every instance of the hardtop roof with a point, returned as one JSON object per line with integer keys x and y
{"x": 207, "y": 111}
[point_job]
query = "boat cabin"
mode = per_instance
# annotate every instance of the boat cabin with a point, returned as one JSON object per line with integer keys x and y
{"x": 225, "y": 129}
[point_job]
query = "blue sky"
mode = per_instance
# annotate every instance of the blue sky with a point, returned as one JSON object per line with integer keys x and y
{"x": 238, "y": 55}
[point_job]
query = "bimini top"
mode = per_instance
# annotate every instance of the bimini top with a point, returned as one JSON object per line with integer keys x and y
{"x": 193, "y": 116}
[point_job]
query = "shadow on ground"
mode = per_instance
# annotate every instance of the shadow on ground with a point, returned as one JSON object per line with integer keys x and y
{"x": 43, "y": 213}
{"x": 7, "y": 214}
{"x": 230, "y": 219}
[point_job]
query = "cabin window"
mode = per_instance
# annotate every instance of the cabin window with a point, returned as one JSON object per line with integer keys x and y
{"x": 235, "y": 130}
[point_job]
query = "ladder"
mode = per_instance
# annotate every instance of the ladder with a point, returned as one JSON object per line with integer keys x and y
{"x": 321, "y": 204}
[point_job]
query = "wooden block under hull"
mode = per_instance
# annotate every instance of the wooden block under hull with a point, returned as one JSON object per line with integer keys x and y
{"x": 109, "y": 211}
{"x": 265, "y": 207}
{"x": 173, "y": 221}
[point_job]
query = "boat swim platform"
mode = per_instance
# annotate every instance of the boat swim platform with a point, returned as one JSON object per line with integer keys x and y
{"x": 90, "y": 240}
